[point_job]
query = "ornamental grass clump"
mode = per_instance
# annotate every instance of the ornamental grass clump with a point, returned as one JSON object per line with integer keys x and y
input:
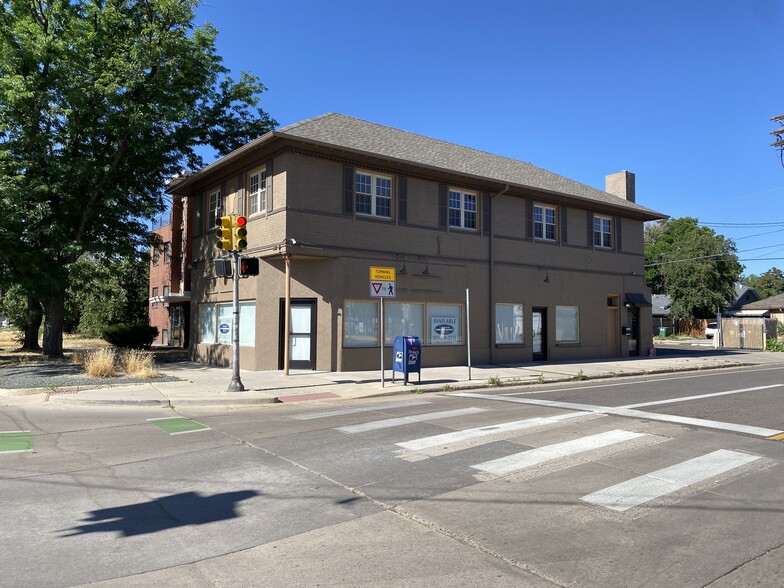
{"x": 100, "y": 363}
{"x": 139, "y": 364}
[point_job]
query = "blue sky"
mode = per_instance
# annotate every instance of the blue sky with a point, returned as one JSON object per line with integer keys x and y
{"x": 679, "y": 92}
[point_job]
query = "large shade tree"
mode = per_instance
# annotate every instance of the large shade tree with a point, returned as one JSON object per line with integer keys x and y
{"x": 102, "y": 101}
{"x": 694, "y": 265}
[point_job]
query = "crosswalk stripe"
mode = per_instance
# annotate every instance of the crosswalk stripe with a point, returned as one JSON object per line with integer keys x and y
{"x": 540, "y": 455}
{"x": 645, "y": 488}
{"x": 397, "y": 422}
{"x": 494, "y": 430}
{"x": 344, "y": 411}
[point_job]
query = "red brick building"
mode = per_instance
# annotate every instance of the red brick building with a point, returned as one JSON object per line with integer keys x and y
{"x": 170, "y": 278}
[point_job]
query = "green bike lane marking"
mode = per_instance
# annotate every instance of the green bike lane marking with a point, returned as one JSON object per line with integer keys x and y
{"x": 15, "y": 441}
{"x": 178, "y": 425}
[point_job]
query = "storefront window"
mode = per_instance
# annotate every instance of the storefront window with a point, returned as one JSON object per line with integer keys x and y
{"x": 360, "y": 324}
{"x": 403, "y": 319}
{"x": 445, "y": 324}
{"x": 215, "y": 323}
{"x": 508, "y": 324}
{"x": 567, "y": 324}
{"x": 207, "y": 323}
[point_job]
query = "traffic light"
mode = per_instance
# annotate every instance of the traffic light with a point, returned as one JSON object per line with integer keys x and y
{"x": 223, "y": 233}
{"x": 249, "y": 266}
{"x": 240, "y": 233}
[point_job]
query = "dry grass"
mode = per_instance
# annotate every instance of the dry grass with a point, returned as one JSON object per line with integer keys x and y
{"x": 11, "y": 353}
{"x": 99, "y": 358}
{"x": 100, "y": 363}
{"x": 140, "y": 364}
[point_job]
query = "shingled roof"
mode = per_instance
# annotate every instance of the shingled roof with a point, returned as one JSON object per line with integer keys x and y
{"x": 772, "y": 303}
{"x": 355, "y": 135}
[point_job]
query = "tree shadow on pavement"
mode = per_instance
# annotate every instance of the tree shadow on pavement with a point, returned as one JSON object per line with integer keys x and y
{"x": 177, "y": 510}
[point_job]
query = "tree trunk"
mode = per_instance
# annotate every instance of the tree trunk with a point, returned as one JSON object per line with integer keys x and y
{"x": 34, "y": 318}
{"x": 53, "y": 324}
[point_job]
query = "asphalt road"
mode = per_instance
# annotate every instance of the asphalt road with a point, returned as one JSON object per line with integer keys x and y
{"x": 658, "y": 481}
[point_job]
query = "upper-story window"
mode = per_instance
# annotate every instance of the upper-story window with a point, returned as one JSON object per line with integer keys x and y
{"x": 373, "y": 194}
{"x": 156, "y": 254}
{"x": 166, "y": 252}
{"x": 257, "y": 192}
{"x": 602, "y": 231}
{"x": 544, "y": 222}
{"x": 215, "y": 206}
{"x": 462, "y": 209}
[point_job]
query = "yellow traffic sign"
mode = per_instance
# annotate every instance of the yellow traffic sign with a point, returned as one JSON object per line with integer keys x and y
{"x": 382, "y": 274}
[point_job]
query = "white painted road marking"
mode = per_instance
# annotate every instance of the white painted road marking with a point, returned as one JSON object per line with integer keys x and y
{"x": 494, "y": 430}
{"x": 700, "y": 396}
{"x": 343, "y": 411}
{"x": 627, "y": 412}
{"x": 642, "y": 489}
{"x": 532, "y": 457}
{"x": 397, "y": 422}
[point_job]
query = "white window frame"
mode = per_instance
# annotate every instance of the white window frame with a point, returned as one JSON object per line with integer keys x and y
{"x": 378, "y": 199}
{"x": 509, "y": 329}
{"x": 602, "y": 238}
{"x": 567, "y": 324}
{"x": 215, "y": 205}
{"x": 544, "y": 230}
{"x": 464, "y": 215}
{"x": 257, "y": 198}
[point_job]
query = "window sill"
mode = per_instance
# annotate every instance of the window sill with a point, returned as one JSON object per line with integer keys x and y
{"x": 510, "y": 345}
{"x": 567, "y": 344}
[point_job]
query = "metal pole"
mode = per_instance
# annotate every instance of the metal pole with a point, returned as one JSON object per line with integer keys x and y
{"x": 236, "y": 383}
{"x": 382, "y": 342}
{"x": 468, "y": 331}
{"x": 287, "y": 317}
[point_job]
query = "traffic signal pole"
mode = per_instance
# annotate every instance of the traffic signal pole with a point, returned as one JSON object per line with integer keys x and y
{"x": 236, "y": 383}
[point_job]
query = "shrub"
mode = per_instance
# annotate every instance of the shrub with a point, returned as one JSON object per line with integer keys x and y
{"x": 140, "y": 364}
{"x": 100, "y": 363}
{"x": 494, "y": 381}
{"x": 774, "y": 345}
{"x": 130, "y": 336}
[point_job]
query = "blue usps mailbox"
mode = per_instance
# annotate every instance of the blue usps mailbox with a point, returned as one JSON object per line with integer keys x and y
{"x": 407, "y": 357}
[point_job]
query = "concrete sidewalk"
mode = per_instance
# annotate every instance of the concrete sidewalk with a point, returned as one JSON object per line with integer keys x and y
{"x": 200, "y": 385}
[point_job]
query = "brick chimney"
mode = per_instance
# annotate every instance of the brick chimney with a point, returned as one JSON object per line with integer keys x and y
{"x": 621, "y": 184}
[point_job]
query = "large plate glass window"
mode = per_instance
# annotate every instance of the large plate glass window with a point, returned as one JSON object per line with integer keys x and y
{"x": 257, "y": 192}
{"x": 403, "y": 319}
{"x": 567, "y": 324}
{"x": 360, "y": 324}
{"x": 462, "y": 209}
{"x": 508, "y": 324}
{"x": 207, "y": 323}
{"x": 373, "y": 194}
{"x": 544, "y": 222}
{"x": 602, "y": 231}
{"x": 445, "y": 324}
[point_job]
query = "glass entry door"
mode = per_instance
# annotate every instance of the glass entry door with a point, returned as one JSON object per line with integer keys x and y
{"x": 302, "y": 328}
{"x": 539, "y": 335}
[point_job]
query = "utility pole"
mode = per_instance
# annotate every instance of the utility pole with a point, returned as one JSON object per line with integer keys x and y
{"x": 779, "y": 134}
{"x": 236, "y": 383}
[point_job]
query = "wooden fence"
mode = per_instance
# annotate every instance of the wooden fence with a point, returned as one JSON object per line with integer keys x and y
{"x": 747, "y": 333}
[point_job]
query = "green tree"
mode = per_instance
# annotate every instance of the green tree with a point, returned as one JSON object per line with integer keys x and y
{"x": 770, "y": 283}
{"x": 695, "y": 266}
{"x": 101, "y": 102}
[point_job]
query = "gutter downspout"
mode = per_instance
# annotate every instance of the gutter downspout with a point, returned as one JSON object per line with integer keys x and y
{"x": 491, "y": 274}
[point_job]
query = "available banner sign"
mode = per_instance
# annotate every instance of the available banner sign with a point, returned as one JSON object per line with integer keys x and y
{"x": 445, "y": 330}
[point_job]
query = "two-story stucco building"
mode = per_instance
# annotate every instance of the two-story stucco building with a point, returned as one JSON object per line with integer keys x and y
{"x": 553, "y": 268}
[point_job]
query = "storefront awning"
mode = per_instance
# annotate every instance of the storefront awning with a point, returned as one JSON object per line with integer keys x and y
{"x": 636, "y": 299}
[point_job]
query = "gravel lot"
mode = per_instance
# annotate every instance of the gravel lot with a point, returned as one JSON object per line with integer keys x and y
{"x": 59, "y": 375}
